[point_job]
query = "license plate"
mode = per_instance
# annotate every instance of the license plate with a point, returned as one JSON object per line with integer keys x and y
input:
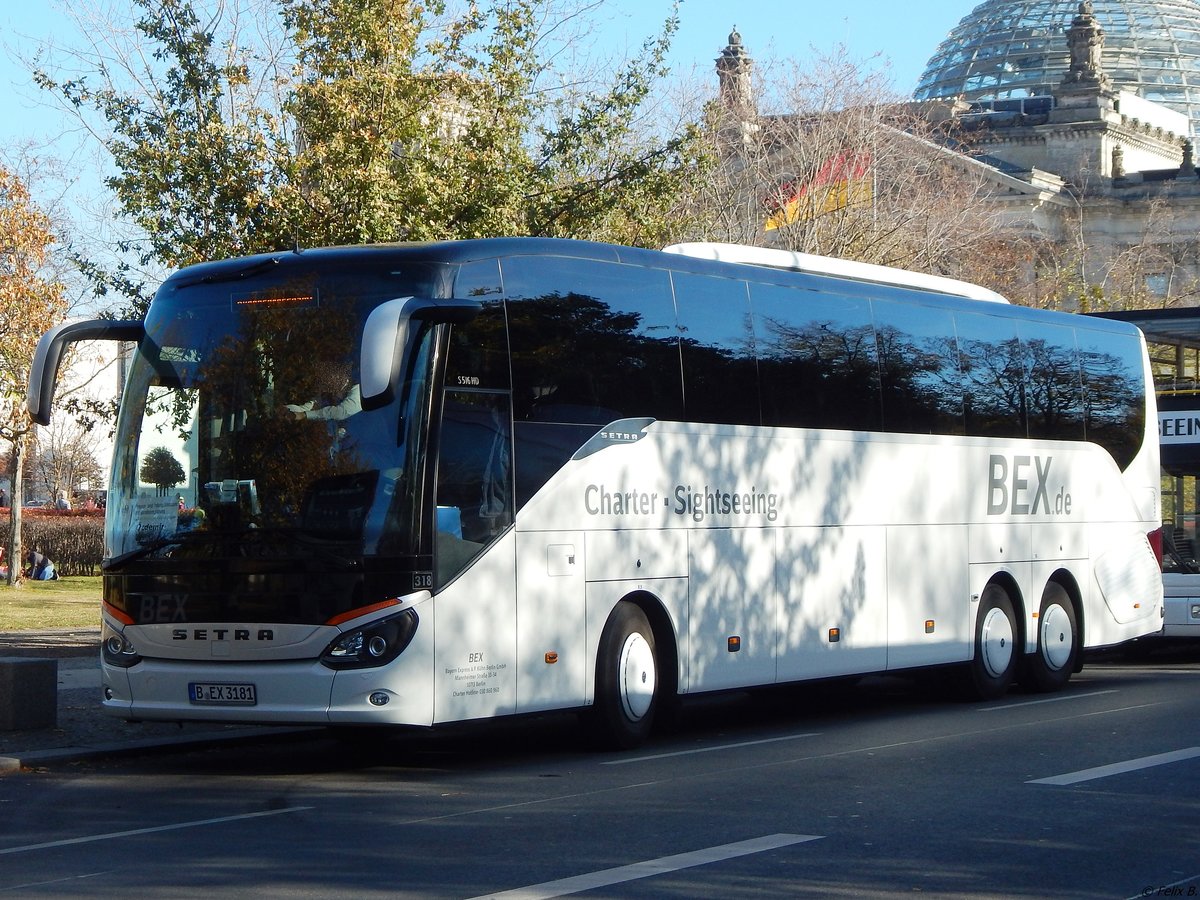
{"x": 229, "y": 694}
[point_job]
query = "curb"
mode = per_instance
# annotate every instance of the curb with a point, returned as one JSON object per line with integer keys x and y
{"x": 34, "y": 758}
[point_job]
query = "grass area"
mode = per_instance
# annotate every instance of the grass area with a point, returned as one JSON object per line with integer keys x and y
{"x": 66, "y": 603}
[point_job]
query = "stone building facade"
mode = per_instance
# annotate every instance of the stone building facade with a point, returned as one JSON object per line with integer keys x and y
{"x": 1090, "y": 166}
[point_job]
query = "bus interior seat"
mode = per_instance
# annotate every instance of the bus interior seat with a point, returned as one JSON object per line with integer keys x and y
{"x": 1180, "y": 550}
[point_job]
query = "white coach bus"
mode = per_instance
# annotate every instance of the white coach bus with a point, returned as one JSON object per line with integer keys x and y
{"x": 426, "y": 483}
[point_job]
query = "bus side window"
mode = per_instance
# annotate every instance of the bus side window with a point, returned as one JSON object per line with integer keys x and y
{"x": 1113, "y": 393}
{"x": 478, "y": 280}
{"x": 592, "y": 342}
{"x": 993, "y": 365}
{"x": 716, "y": 341}
{"x": 918, "y": 360}
{"x": 817, "y": 359}
{"x": 1054, "y": 388}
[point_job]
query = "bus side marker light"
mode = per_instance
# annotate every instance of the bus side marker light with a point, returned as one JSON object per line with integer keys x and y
{"x": 735, "y": 644}
{"x": 551, "y": 657}
{"x": 930, "y": 625}
{"x": 835, "y": 635}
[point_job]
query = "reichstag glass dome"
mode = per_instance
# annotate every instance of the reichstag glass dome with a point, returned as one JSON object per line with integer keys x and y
{"x": 1018, "y": 48}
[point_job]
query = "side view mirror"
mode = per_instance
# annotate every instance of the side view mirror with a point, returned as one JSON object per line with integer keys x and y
{"x": 43, "y": 374}
{"x": 386, "y": 335}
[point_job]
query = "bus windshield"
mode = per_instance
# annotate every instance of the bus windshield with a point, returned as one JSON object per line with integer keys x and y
{"x": 246, "y": 459}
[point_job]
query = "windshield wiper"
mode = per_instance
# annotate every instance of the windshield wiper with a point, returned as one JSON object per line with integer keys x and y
{"x": 140, "y": 552}
{"x": 310, "y": 543}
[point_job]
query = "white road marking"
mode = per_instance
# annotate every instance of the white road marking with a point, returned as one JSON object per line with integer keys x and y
{"x": 91, "y": 838}
{"x": 1120, "y": 768}
{"x": 633, "y": 759}
{"x": 622, "y": 874}
{"x": 991, "y": 708}
{"x": 33, "y": 884}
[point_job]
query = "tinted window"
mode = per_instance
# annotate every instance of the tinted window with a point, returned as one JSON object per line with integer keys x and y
{"x": 1113, "y": 392}
{"x": 591, "y": 341}
{"x": 918, "y": 362}
{"x": 817, "y": 360}
{"x": 716, "y": 341}
{"x": 478, "y": 280}
{"x": 479, "y": 351}
{"x": 993, "y": 365}
{"x": 1053, "y": 393}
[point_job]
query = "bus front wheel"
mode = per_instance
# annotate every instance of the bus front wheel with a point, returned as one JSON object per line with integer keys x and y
{"x": 1050, "y": 666}
{"x": 626, "y": 680}
{"x": 990, "y": 673}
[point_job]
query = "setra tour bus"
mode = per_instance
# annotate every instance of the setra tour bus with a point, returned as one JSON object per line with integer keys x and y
{"x": 417, "y": 484}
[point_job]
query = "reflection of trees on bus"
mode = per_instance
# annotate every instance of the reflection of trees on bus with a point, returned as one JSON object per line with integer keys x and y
{"x": 824, "y": 374}
{"x": 994, "y": 380}
{"x": 161, "y": 469}
{"x": 580, "y": 361}
{"x": 1054, "y": 395}
{"x": 576, "y": 360}
{"x": 279, "y": 356}
{"x": 922, "y": 390}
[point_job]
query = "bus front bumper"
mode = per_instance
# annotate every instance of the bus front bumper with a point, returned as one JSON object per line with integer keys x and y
{"x": 302, "y": 692}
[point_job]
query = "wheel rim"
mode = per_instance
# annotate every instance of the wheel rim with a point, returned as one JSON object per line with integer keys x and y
{"x": 996, "y": 639}
{"x": 1058, "y": 639}
{"x": 638, "y": 676}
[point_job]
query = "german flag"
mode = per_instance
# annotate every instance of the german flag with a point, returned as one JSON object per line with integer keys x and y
{"x": 842, "y": 180}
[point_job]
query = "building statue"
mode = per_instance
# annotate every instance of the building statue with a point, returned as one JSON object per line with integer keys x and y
{"x": 1085, "y": 40}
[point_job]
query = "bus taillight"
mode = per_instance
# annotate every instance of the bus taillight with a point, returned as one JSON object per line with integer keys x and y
{"x": 1156, "y": 544}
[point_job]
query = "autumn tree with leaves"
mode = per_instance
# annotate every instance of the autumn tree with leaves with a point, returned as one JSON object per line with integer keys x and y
{"x": 29, "y": 304}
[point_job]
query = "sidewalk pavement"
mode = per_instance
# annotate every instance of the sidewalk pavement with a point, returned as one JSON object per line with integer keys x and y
{"x": 83, "y": 730}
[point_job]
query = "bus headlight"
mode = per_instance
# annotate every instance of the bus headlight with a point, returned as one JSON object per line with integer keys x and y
{"x": 116, "y": 648}
{"x": 376, "y": 644}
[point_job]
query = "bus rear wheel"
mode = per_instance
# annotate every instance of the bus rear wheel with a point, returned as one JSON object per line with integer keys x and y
{"x": 990, "y": 673}
{"x": 626, "y": 680}
{"x": 1049, "y": 668}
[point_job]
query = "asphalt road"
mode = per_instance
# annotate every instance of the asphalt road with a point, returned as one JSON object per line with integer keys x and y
{"x": 886, "y": 788}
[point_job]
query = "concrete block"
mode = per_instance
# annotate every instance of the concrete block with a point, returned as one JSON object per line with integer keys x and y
{"x": 28, "y": 693}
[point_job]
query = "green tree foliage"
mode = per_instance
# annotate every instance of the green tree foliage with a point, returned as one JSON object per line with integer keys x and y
{"x": 370, "y": 120}
{"x": 161, "y": 469}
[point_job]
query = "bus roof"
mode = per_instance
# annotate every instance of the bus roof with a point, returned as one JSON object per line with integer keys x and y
{"x": 839, "y": 268}
{"x": 1176, "y": 327}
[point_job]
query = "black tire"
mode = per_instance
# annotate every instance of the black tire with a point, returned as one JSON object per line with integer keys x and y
{"x": 993, "y": 667}
{"x": 1050, "y": 666}
{"x": 627, "y": 682}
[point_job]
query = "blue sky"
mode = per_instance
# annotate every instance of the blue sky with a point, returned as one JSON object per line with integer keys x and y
{"x": 896, "y": 31}
{"x": 895, "y": 37}
{"x": 905, "y": 34}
